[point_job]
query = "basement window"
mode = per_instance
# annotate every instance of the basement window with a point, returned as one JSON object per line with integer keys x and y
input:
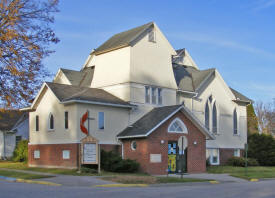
{"x": 36, "y": 154}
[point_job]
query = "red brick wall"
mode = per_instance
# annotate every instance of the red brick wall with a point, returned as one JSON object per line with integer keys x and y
{"x": 111, "y": 147}
{"x": 152, "y": 145}
{"x": 226, "y": 153}
{"x": 51, "y": 155}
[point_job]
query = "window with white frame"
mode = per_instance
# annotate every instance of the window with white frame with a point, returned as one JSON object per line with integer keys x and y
{"x": 152, "y": 36}
{"x": 154, "y": 95}
{"x": 235, "y": 122}
{"x": 101, "y": 120}
{"x": 213, "y": 156}
{"x": 66, "y": 119}
{"x": 211, "y": 115}
{"x": 214, "y": 118}
{"x": 177, "y": 126}
{"x": 206, "y": 116}
{"x": 37, "y": 123}
{"x": 147, "y": 94}
{"x": 51, "y": 122}
{"x": 159, "y": 96}
{"x": 66, "y": 154}
{"x": 237, "y": 152}
{"x": 36, "y": 154}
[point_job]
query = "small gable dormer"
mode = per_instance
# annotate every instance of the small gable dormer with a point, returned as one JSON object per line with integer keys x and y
{"x": 184, "y": 58}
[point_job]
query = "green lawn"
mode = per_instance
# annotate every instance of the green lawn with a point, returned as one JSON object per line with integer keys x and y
{"x": 134, "y": 179}
{"x": 24, "y": 166}
{"x": 19, "y": 175}
{"x": 256, "y": 172}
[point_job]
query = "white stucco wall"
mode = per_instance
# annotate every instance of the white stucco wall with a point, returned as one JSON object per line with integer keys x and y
{"x": 225, "y": 107}
{"x": 111, "y": 68}
{"x": 50, "y": 104}
{"x": 116, "y": 119}
{"x": 151, "y": 62}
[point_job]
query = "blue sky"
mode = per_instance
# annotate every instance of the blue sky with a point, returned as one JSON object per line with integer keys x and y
{"x": 237, "y": 37}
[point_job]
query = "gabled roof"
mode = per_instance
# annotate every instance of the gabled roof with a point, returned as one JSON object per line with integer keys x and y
{"x": 240, "y": 97}
{"x": 8, "y": 119}
{"x": 72, "y": 93}
{"x": 156, "y": 117}
{"x": 122, "y": 39}
{"x": 190, "y": 78}
{"x": 80, "y": 78}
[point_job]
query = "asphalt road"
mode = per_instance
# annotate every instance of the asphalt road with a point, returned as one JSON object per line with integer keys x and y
{"x": 262, "y": 189}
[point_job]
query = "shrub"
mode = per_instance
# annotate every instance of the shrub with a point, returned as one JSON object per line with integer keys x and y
{"x": 262, "y": 148}
{"x": 111, "y": 161}
{"x": 85, "y": 169}
{"x": 240, "y": 161}
{"x": 20, "y": 153}
{"x": 208, "y": 162}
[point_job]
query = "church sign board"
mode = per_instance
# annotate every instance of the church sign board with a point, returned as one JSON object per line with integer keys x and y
{"x": 89, "y": 150}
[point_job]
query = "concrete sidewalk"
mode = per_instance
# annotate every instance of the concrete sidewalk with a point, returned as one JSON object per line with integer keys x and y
{"x": 217, "y": 177}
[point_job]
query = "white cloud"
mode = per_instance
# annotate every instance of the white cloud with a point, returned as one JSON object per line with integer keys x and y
{"x": 204, "y": 38}
{"x": 264, "y": 4}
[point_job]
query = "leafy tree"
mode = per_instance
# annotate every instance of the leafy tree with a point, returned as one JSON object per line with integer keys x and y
{"x": 20, "y": 153}
{"x": 252, "y": 121}
{"x": 25, "y": 36}
{"x": 262, "y": 148}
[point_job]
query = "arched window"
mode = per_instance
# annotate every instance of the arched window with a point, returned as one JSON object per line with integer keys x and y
{"x": 51, "y": 122}
{"x": 206, "y": 115}
{"x": 177, "y": 126}
{"x": 235, "y": 123}
{"x": 214, "y": 118}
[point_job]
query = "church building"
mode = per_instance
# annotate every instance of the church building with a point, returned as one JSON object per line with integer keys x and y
{"x": 147, "y": 101}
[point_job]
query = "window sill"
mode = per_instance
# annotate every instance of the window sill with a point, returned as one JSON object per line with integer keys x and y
{"x": 51, "y": 130}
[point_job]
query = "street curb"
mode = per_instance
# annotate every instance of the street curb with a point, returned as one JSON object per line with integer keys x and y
{"x": 122, "y": 185}
{"x": 12, "y": 179}
{"x": 214, "y": 182}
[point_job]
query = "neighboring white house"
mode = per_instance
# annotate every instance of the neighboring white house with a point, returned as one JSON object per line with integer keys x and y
{"x": 121, "y": 81}
{"x": 14, "y": 127}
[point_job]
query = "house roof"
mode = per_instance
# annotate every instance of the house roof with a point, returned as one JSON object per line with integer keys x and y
{"x": 8, "y": 119}
{"x": 189, "y": 78}
{"x": 80, "y": 78}
{"x": 122, "y": 39}
{"x": 152, "y": 120}
{"x": 66, "y": 93}
{"x": 240, "y": 97}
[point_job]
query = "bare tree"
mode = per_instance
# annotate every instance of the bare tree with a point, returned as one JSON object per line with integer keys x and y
{"x": 266, "y": 117}
{"x": 25, "y": 36}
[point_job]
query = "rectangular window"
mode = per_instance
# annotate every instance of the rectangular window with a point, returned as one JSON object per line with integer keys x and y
{"x": 37, "y": 123}
{"x": 213, "y": 156}
{"x": 36, "y": 154}
{"x": 159, "y": 96}
{"x": 147, "y": 94}
{"x": 66, "y": 154}
{"x": 66, "y": 119}
{"x": 237, "y": 153}
{"x": 154, "y": 95}
{"x": 101, "y": 120}
{"x": 18, "y": 139}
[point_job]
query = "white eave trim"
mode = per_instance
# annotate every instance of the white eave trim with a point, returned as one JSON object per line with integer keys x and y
{"x": 155, "y": 127}
{"x": 188, "y": 92}
{"x": 193, "y": 118}
{"x": 97, "y": 103}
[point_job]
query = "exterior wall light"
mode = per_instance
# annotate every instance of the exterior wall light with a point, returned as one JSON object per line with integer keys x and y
{"x": 162, "y": 141}
{"x": 195, "y": 142}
